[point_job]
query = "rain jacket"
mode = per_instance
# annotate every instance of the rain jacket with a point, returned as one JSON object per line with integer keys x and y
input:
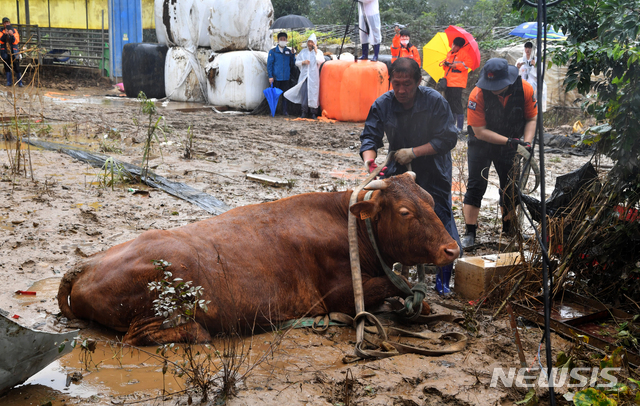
{"x": 395, "y": 47}
{"x": 456, "y": 77}
{"x": 409, "y": 52}
{"x": 369, "y": 22}
{"x": 429, "y": 121}
{"x": 529, "y": 72}
{"x": 14, "y": 45}
{"x": 280, "y": 63}
{"x": 309, "y": 76}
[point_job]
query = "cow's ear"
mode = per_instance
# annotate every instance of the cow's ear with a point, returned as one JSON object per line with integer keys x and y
{"x": 365, "y": 210}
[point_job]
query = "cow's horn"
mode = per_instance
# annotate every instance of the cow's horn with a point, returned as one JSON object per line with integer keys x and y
{"x": 413, "y": 174}
{"x": 376, "y": 185}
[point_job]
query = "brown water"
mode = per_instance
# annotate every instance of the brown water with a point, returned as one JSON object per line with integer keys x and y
{"x": 113, "y": 371}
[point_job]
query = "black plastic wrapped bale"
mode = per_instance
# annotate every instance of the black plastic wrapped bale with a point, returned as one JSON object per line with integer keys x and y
{"x": 143, "y": 69}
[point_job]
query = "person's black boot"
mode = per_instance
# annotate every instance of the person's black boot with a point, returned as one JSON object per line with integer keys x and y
{"x": 314, "y": 113}
{"x": 365, "y": 52}
{"x": 304, "y": 113}
{"x": 376, "y": 51}
{"x": 469, "y": 237}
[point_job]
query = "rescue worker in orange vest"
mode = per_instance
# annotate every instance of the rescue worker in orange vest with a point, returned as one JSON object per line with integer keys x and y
{"x": 456, "y": 71}
{"x": 9, "y": 40}
{"x": 407, "y": 49}
{"x": 395, "y": 42}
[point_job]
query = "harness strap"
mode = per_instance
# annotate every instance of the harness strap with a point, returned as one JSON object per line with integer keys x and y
{"x": 399, "y": 282}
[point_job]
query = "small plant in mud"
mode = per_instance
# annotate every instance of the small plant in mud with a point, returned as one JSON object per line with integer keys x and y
{"x": 149, "y": 110}
{"x": 87, "y": 348}
{"x": 176, "y": 298}
{"x": 220, "y": 365}
{"x": 188, "y": 144}
{"x": 107, "y": 146}
{"x": 113, "y": 173}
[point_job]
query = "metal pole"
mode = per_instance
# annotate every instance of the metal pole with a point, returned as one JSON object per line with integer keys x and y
{"x": 542, "y": 19}
{"x": 111, "y": 40}
{"x": 26, "y": 11}
{"x": 86, "y": 10}
{"x": 18, "y": 10}
{"x": 102, "y": 46}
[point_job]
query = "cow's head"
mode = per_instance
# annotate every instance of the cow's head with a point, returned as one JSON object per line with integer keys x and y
{"x": 407, "y": 227}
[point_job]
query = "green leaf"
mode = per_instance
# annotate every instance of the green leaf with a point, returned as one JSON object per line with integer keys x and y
{"x": 530, "y": 400}
{"x": 592, "y": 397}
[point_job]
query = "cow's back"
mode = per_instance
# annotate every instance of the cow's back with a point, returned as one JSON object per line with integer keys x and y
{"x": 266, "y": 256}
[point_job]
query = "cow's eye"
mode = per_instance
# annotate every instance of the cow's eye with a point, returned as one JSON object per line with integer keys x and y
{"x": 404, "y": 212}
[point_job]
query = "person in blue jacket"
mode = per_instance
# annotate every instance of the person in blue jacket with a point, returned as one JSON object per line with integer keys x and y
{"x": 421, "y": 129}
{"x": 279, "y": 64}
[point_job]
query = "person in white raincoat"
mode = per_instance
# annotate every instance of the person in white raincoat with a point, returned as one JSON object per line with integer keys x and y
{"x": 307, "y": 91}
{"x": 527, "y": 69}
{"x": 369, "y": 24}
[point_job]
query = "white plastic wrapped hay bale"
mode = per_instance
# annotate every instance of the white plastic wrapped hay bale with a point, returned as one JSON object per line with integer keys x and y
{"x": 184, "y": 76}
{"x": 183, "y": 23}
{"x": 237, "y": 79}
{"x": 237, "y": 25}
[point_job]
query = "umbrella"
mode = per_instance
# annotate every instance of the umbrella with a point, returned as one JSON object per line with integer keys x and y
{"x": 291, "y": 21}
{"x": 471, "y": 46}
{"x": 272, "y": 94}
{"x": 434, "y": 53}
{"x": 530, "y": 30}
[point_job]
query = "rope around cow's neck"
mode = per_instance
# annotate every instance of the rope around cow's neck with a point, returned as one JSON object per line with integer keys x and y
{"x": 417, "y": 293}
{"x": 354, "y": 255}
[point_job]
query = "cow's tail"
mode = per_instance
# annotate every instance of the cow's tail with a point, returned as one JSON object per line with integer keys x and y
{"x": 64, "y": 291}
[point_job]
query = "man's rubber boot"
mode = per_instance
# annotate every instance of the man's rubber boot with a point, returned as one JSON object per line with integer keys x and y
{"x": 365, "y": 52}
{"x": 443, "y": 277}
{"x": 9, "y": 82}
{"x": 20, "y": 83}
{"x": 468, "y": 240}
{"x": 469, "y": 237}
{"x": 314, "y": 113}
{"x": 376, "y": 50}
{"x": 284, "y": 107}
{"x": 304, "y": 113}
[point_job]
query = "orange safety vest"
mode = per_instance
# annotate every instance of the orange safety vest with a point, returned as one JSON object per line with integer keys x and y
{"x": 456, "y": 76}
{"x": 14, "y": 33}
{"x": 395, "y": 47}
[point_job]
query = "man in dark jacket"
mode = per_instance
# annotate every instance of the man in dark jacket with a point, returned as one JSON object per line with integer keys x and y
{"x": 9, "y": 39}
{"x": 502, "y": 113}
{"x": 279, "y": 64}
{"x": 421, "y": 129}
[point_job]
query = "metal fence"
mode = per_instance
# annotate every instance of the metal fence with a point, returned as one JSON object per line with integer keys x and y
{"x": 50, "y": 46}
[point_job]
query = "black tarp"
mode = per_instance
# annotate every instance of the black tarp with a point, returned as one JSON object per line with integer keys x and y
{"x": 568, "y": 186}
{"x": 177, "y": 189}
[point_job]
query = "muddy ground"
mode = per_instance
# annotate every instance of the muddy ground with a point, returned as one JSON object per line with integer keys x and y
{"x": 60, "y": 212}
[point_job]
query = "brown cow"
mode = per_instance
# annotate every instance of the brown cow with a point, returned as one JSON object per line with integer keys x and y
{"x": 261, "y": 264}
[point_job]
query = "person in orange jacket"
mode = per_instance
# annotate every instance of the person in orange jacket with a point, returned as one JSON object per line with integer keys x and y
{"x": 395, "y": 42}
{"x": 456, "y": 71}
{"x": 407, "y": 49}
{"x": 9, "y": 40}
